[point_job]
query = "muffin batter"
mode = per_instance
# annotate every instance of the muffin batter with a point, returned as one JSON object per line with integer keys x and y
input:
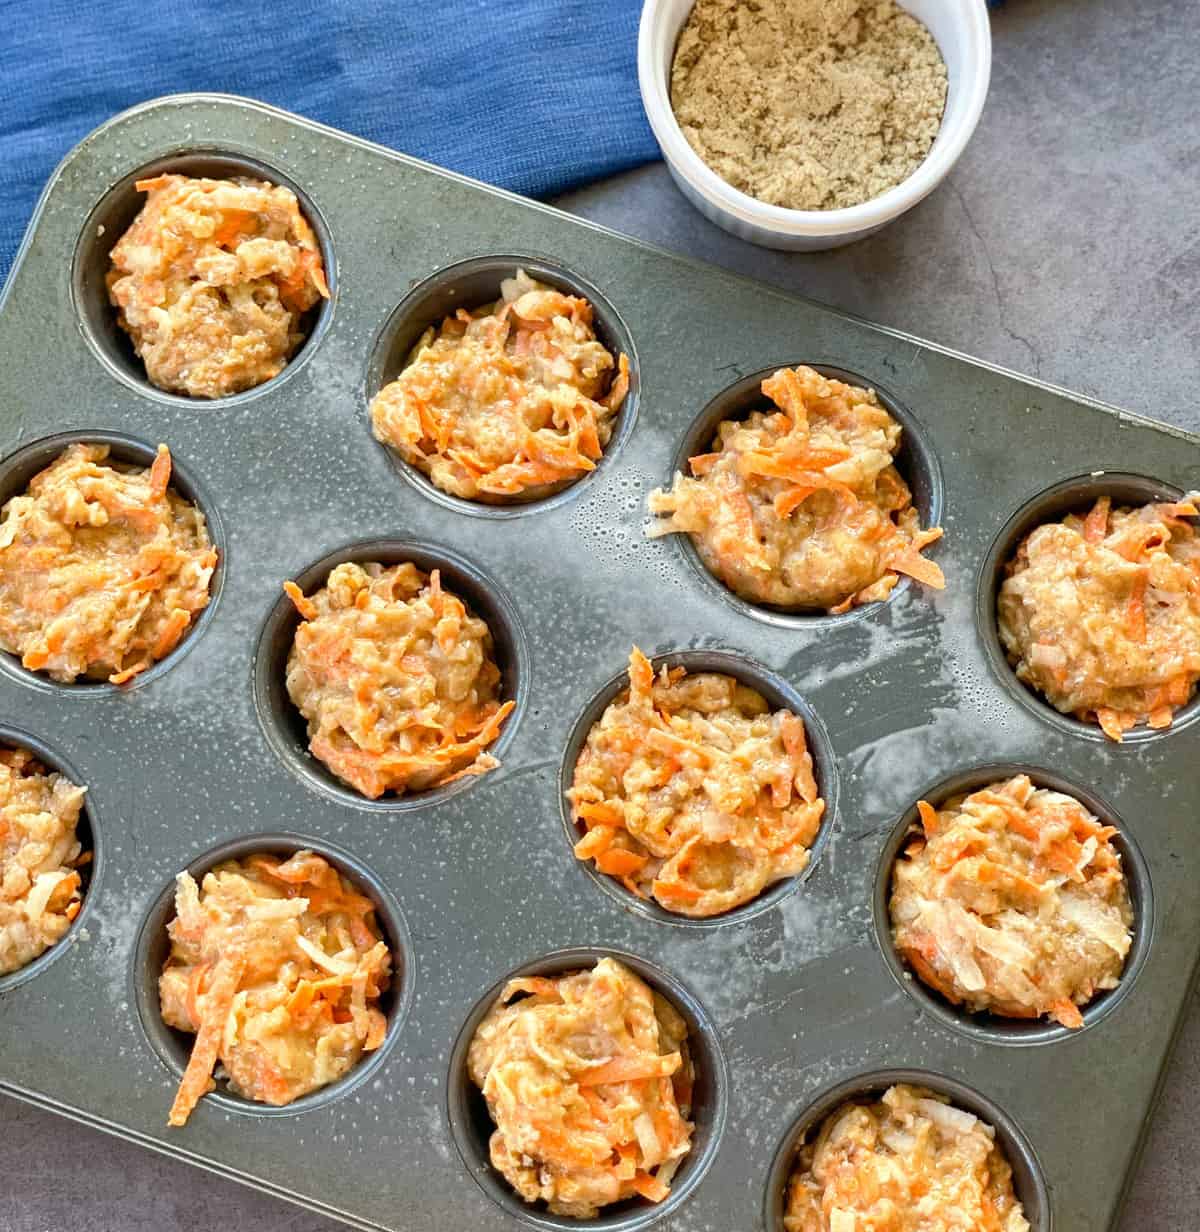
{"x": 102, "y": 567}
{"x": 909, "y": 1162}
{"x": 693, "y": 793}
{"x": 1101, "y": 614}
{"x": 1012, "y": 900}
{"x": 40, "y": 857}
{"x": 396, "y": 679}
{"x": 277, "y": 968}
{"x": 211, "y": 282}
{"x": 512, "y": 400}
{"x": 588, "y": 1080}
{"x": 802, "y": 507}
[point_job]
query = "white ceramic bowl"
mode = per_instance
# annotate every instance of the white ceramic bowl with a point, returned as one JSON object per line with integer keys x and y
{"x": 964, "y": 36}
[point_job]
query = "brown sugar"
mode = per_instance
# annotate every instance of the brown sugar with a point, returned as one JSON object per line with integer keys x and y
{"x": 808, "y": 104}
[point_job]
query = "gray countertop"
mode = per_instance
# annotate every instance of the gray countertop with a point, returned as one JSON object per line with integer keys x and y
{"x": 1065, "y": 246}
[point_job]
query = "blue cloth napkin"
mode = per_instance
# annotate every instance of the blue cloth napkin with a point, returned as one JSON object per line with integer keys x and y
{"x": 534, "y": 95}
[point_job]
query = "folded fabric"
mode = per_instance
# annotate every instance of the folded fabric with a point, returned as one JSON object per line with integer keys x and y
{"x": 534, "y": 95}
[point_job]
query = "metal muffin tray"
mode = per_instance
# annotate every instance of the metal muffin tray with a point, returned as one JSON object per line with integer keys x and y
{"x": 795, "y": 1001}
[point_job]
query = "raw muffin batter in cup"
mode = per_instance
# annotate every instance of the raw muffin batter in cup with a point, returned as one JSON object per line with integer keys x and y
{"x": 103, "y": 567}
{"x": 212, "y": 280}
{"x": 588, "y": 1079}
{"x": 1101, "y": 614}
{"x": 40, "y": 857}
{"x": 396, "y": 678}
{"x": 1012, "y": 900}
{"x": 277, "y": 968}
{"x": 512, "y": 400}
{"x": 693, "y": 792}
{"x": 802, "y": 507}
{"x": 907, "y": 1162}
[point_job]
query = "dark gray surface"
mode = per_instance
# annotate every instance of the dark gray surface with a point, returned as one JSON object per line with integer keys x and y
{"x": 1061, "y": 247}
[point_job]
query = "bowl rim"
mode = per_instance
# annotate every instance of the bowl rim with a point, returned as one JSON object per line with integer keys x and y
{"x": 816, "y": 224}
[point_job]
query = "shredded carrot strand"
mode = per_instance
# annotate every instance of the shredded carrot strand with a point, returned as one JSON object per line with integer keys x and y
{"x": 619, "y": 863}
{"x": 650, "y": 1187}
{"x": 305, "y": 607}
{"x": 1067, "y": 1013}
{"x": 627, "y": 1069}
{"x": 929, "y": 817}
{"x": 916, "y": 566}
{"x": 197, "y": 1078}
{"x": 160, "y": 472}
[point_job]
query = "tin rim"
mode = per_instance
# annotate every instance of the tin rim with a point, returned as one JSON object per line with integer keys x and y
{"x": 110, "y": 218}
{"x": 916, "y": 460}
{"x": 1029, "y": 1181}
{"x": 471, "y": 1125}
{"x": 87, "y": 831}
{"x": 285, "y": 727}
{"x": 1075, "y": 495}
{"x": 151, "y": 948}
{"x": 995, "y": 1028}
{"x": 20, "y": 467}
{"x": 780, "y": 694}
{"x": 472, "y": 283}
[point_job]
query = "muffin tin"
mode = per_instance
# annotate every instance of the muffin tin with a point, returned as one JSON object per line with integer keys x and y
{"x": 792, "y": 1005}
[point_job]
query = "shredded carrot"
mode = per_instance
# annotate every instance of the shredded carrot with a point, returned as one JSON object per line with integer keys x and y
{"x": 1113, "y": 723}
{"x": 929, "y": 817}
{"x": 234, "y": 223}
{"x": 1016, "y": 821}
{"x": 296, "y": 870}
{"x": 482, "y": 764}
{"x": 126, "y": 675}
{"x": 650, "y": 1187}
{"x": 1095, "y": 525}
{"x": 1064, "y": 856}
{"x": 620, "y": 387}
{"x": 786, "y": 390}
{"x": 301, "y": 998}
{"x": 194, "y": 989}
{"x": 601, "y": 813}
{"x": 619, "y": 863}
{"x": 787, "y": 502}
{"x": 1174, "y": 692}
{"x": 641, "y": 674}
{"x": 197, "y": 1078}
{"x": 626, "y": 1069}
{"x": 633, "y": 887}
{"x": 678, "y": 890}
{"x": 160, "y": 472}
{"x": 291, "y": 287}
{"x": 172, "y": 631}
{"x": 1178, "y": 510}
{"x": 539, "y": 985}
{"x": 597, "y": 840}
{"x": 376, "y": 1031}
{"x": 1067, "y": 1013}
{"x": 305, "y": 607}
{"x": 916, "y": 566}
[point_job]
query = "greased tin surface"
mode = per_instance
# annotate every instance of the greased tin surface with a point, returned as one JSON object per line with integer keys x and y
{"x": 790, "y": 1006}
